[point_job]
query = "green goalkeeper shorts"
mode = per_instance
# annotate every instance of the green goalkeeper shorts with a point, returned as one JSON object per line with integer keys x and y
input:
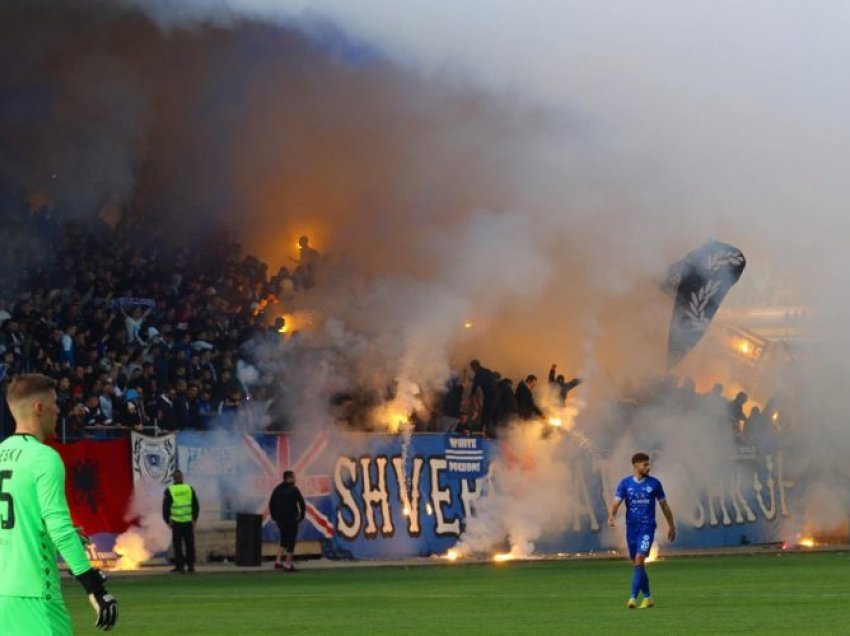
{"x": 28, "y": 616}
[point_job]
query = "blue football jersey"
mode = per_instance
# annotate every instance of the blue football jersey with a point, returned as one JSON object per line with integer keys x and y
{"x": 639, "y": 498}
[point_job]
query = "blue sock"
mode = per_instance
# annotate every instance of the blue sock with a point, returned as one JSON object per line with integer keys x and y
{"x": 637, "y": 580}
{"x": 644, "y": 584}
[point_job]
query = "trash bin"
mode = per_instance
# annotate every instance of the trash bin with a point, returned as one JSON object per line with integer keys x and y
{"x": 249, "y": 539}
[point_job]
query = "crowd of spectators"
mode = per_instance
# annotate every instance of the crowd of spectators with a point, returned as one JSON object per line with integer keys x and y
{"x": 141, "y": 327}
{"x": 482, "y": 401}
{"x": 144, "y": 328}
{"x": 475, "y": 401}
{"x": 745, "y": 424}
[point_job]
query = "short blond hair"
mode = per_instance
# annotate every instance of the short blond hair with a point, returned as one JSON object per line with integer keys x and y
{"x": 28, "y": 386}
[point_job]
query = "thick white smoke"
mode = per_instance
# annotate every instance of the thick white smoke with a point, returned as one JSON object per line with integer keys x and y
{"x": 656, "y": 126}
{"x": 149, "y": 533}
{"x": 532, "y": 170}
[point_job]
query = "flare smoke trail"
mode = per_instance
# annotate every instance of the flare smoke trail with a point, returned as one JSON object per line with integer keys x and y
{"x": 529, "y": 169}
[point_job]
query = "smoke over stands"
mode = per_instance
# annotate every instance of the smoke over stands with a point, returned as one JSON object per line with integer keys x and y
{"x": 532, "y": 172}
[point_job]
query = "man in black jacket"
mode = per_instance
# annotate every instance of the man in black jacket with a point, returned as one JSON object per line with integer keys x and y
{"x": 287, "y": 508}
{"x": 485, "y": 380}
{"x": 526, "y": 406}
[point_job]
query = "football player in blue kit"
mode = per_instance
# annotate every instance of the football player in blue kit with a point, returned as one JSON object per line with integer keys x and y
{"x": 639, "y": 491}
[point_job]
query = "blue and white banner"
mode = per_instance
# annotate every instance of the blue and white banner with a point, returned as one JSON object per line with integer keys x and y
{"x": 234, "y": 473}
{"x": 467, "y": 456}
{"x": 386, "y": 504}
{"x": 381, "y": 496}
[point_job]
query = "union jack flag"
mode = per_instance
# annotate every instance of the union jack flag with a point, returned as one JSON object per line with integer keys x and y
{"x": 273, "y": 455}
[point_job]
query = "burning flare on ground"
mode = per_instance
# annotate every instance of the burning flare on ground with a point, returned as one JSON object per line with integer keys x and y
{"x": 131, "y": 551}
{"x": 518, "y": 551}
{"x": 802, "y": 540}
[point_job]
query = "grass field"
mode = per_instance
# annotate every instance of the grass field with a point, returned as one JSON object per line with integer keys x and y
{"x": 765, "y": 594}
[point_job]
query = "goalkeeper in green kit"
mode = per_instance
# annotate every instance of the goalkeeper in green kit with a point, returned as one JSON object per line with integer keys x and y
{"x": 35, "y": 522}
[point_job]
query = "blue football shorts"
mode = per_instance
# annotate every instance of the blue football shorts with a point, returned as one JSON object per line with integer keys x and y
{"x": 639, "y": 539}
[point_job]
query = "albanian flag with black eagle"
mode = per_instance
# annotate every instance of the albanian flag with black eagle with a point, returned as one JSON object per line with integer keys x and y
{"x": 700, "y": 282}
{"x": 98, "y": 483}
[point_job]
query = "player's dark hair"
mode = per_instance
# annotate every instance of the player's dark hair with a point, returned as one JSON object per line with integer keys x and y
{"x": 29, "y": 385}
{"x": 639, "y": 457}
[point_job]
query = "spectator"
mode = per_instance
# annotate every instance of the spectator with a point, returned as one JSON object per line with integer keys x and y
{"x": 230, "y": 404}
{"x": 166, "y": 413}
{"x": 506, "y": 405}
{"x": 106, "y": 402}
{"x": 737, "y": 419}
{"x": 308, "y": 262}
{"x": 560, "y": 384}
{"x": 526, "y": 407}
{"x": 67, "y": 349}
{"x": 94, "y": 415}
{"x": 484, "y": 380}
{"x": 133, "y": 322}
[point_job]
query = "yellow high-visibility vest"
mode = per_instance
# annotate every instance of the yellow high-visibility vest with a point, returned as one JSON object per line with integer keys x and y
{"x": 181, "y": 502}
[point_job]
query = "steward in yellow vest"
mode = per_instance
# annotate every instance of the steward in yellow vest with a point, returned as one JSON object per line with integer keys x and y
{"x": 180, "y": 511}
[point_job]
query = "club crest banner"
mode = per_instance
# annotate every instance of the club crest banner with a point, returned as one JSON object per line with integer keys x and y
{"x": 154, "y": 458}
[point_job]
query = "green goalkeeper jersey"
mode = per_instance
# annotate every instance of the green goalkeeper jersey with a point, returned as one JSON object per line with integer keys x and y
{"x": 34, "y": 520}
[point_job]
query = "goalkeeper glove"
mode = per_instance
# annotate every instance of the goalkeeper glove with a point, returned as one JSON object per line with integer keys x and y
{"x": 102, "y": 601}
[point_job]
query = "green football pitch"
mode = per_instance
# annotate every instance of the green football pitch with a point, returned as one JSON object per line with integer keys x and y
{"x": 787, "y": 593}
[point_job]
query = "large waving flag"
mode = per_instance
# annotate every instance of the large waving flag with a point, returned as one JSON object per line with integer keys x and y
{"x": 700, "y": 282}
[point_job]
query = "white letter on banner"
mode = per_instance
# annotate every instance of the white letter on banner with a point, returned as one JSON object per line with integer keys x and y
{"x": 783, "y": 485}
{"x": 376, "y": 496}
{"x": 718, "y": 493}
{"x": 743, "y": 511}
{"x": 409, "y": 499}
{"x": 439, "y": 498}
{"x": 468, "y": 496}
{"x": 769, "y": 512}
{"x": 699, "y": 515}
{"x": 348, "y": 531}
